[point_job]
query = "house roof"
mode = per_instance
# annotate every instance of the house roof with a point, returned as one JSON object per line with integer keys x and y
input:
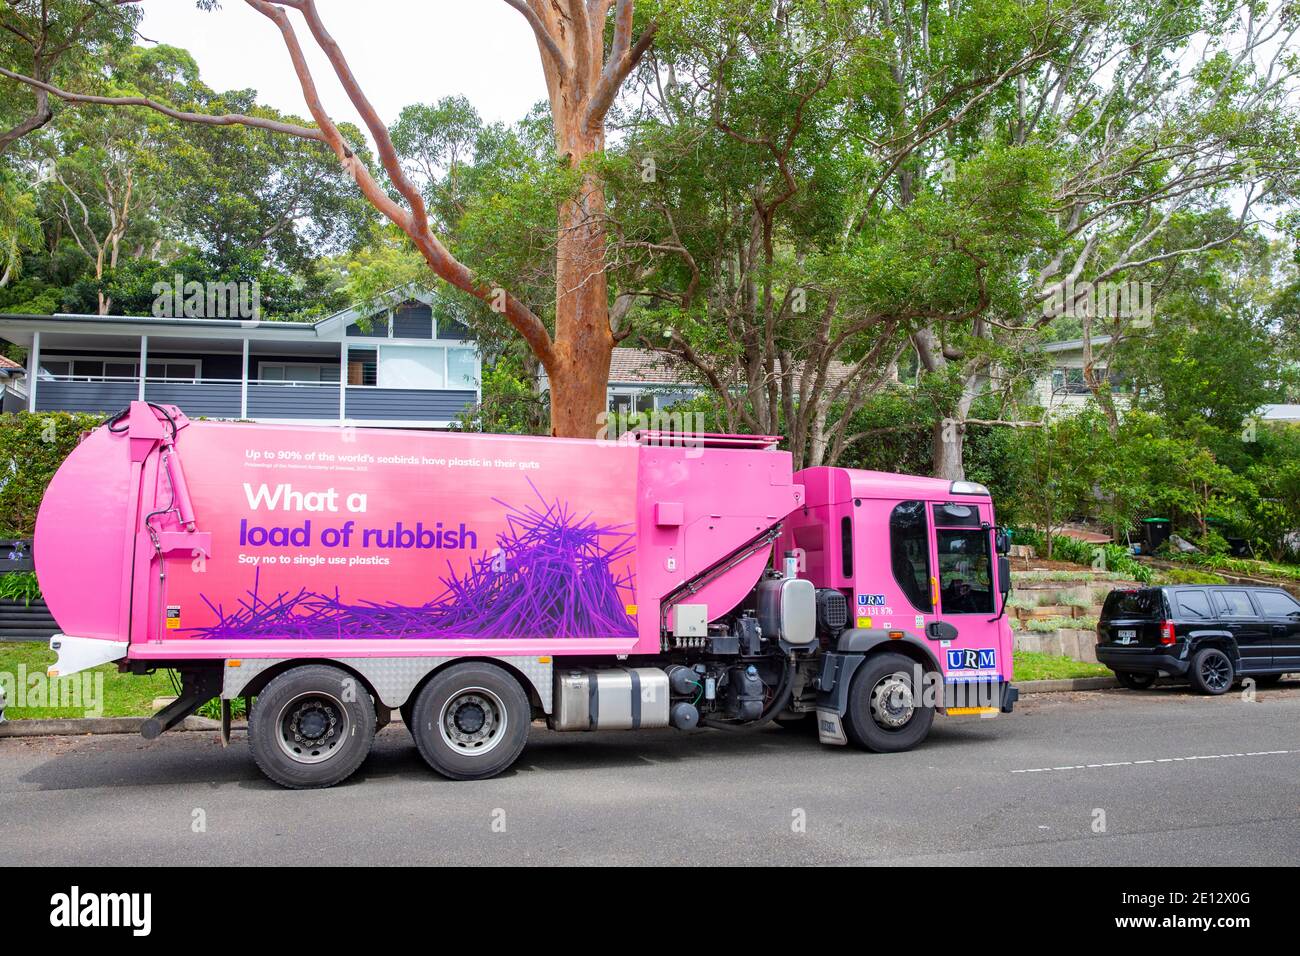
{"x": 1075, "y": 345}
{"x": 8, "y": 363}
{"x": 634, "y": 366}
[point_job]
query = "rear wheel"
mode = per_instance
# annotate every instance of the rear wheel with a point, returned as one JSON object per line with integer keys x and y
{"x": 886, "y": 712}
{"x": 470, "y": 721}
{"x": 311, "y": 727}
{"x": 1135, "y": 681}
{"x": 1212, "y": 671}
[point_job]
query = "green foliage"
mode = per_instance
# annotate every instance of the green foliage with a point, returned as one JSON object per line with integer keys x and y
{"x": 1241, "y": 566}
{"x": 212, "y": 709}
{"x": 32, "y": 447}
{"x": 1188, "y": 576}
{"x": 20, "y": 586}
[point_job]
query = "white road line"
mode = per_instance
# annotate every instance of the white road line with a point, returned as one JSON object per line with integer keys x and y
{"x": 1138, "y": 763}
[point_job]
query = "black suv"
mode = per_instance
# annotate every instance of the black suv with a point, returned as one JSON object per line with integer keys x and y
{"x": 1211, "y": 634}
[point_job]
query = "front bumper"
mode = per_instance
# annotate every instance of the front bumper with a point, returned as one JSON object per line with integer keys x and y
{"x": 1142, "y": 660}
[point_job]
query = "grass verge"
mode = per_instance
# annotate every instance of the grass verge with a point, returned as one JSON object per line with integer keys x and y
{"x": 98, "y": 692}
{"x": 1030, "y": 665}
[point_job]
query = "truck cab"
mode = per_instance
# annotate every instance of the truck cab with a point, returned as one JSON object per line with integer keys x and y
{"x": 918, "y": 566}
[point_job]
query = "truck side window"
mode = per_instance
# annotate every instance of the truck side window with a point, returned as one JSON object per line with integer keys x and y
{"x": 909, "y": 552}
{"x": 846, "y": 546}
{"x": 965, "y": 581}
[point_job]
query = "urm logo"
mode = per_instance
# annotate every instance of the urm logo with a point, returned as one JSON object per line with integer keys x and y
{"x": 971, "y": 659}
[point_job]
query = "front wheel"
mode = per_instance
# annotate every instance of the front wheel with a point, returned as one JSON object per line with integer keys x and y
{"x": 886, "y": 712}
{"x": 470, "y": 721}
{"x": 1135, "y": 681}
{"x": 1212, "y": 671}
{"x": 311, "y": 727}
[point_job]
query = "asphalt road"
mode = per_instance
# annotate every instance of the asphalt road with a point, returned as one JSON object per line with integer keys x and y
{"x": 1086, "y": 778}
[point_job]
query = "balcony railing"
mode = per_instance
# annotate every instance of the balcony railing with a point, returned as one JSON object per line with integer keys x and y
{"x": 221, "y": 398}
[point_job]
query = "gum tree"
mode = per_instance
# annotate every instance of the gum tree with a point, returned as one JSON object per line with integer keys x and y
{"x": 587, "y": 49}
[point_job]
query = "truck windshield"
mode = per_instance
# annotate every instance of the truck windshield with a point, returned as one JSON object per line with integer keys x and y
{"x": 965, "y": 581}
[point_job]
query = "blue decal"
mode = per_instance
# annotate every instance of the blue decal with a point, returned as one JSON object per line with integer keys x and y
{"x": 871, "y": 600}
{"x": 971, "y": 659}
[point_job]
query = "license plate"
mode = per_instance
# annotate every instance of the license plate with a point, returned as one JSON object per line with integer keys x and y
{"x": 1126, "y": 636}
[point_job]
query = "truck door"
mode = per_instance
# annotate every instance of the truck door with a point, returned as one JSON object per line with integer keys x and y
{"x": 967, "y": 593}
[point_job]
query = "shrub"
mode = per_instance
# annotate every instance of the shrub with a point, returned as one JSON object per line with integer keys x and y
{"x": 32, "y": 446}
{"x": 20, "y": 586}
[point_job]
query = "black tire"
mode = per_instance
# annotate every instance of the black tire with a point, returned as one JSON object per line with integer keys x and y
{"x": 1212, "y": 671}
{"x": 459, "y": 698}
{"x": 311, "y": 727}
{"x": 875, "y": 682}
{"x": 1135, "y": 681}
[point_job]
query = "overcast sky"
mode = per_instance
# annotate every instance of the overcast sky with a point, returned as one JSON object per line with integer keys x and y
{"x": 402, "y": 52}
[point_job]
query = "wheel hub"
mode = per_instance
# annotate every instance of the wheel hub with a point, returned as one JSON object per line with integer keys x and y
{"x": 312, "y": 728}
{"x": 892, "y": 703}
{"x": 470, "y": 718}
{"x": 473, "y": 721}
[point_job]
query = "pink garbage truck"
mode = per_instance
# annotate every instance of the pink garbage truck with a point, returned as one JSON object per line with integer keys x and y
{"x": 478, "y": 583}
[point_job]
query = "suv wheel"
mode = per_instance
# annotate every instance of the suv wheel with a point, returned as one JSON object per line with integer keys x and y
{"x": 1135, "y": 681}
{"x": 1212, "y": 671}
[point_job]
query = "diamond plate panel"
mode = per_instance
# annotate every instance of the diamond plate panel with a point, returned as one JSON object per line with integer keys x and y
{"x": 393, "y": 678}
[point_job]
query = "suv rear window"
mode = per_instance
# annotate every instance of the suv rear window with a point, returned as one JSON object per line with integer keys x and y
{"x": 1144, "y": 604}
{"x": 1194, "y": 604}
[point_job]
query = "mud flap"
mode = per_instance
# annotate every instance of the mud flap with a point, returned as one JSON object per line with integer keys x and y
{"x": 830, "y": 728}
{"x": 225, "y": 722}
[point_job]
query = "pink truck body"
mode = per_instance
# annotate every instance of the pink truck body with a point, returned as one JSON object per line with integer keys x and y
{"x": 168, "y": 542}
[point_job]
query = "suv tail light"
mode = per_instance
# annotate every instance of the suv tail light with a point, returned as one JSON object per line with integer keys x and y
{"x": 1167, "y": 635}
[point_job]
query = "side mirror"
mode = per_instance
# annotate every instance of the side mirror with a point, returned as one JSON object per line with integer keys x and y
{"x": 940, "y": 631}
{"x": 1002, "y": 541}
{"x": 1004, "y": 576}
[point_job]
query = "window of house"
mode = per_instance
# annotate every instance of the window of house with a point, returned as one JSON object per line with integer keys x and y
{"x": 363, "y": 367}
{"x": 909, "y": 552}
{"x": 1069, "y": 381}
{"x": 965, "y": 572}
{"x": 298, "y": 373}
{"x": 462, "y": 368}
{"x": 412, "y": 366}
{"x": 627, "y": 401}
{"x": 118, "y": 369}
{"x": 171, "y": 371}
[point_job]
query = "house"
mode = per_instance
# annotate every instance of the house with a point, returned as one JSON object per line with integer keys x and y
{"x": 642, "y": 380}
{"x": 394, "y": 364}
{"x": 1062, "y": 388}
